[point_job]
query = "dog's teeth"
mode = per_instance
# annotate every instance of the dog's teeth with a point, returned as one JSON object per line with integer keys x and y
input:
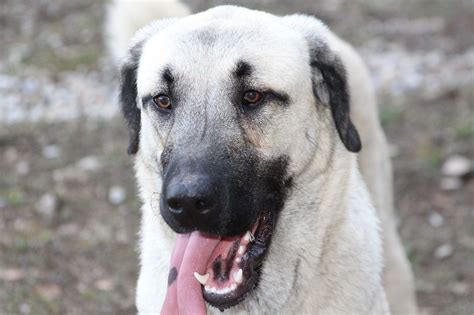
{"x": 213, "y": 290}
{"x": 207, "y": 288}
{"x": 224, "y": 291}
{"x": 202, "y": 279}
{"x": 233, "y": 287}
{"x": 241, "y": 249}
{"x": 252, "y": 238}
{"x": 238, "y": 276}
{"x": 238, "y": 260}
{"x": 247, "y": 237}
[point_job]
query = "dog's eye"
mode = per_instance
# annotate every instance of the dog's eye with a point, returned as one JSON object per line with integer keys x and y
{"x": 252, "y": 98}
{"x": 162, "y": 101}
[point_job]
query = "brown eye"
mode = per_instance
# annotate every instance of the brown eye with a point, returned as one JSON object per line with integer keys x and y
{"x": 252, "y": 97}
{"x": 162, "y": 101}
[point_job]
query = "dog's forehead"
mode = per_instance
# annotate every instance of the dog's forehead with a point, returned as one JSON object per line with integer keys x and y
{"x": 208, "y": 48}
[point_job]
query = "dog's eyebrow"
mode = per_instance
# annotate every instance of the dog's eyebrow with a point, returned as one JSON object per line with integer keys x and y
{"x": 167, "y": 76}
{"x": 242, "y": 69}
{"x": 282, "y": 97}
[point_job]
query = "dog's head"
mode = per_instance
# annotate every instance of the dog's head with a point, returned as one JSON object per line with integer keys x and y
{"x": 226, "y": 107}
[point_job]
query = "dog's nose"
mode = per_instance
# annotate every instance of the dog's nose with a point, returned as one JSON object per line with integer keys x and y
{"x": 191, "y": 196}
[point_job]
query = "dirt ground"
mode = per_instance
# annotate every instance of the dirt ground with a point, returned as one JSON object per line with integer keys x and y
{"x": 69, "y": 214}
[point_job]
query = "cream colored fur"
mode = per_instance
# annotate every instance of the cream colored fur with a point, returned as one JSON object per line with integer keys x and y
{"x": 326, "y": 255}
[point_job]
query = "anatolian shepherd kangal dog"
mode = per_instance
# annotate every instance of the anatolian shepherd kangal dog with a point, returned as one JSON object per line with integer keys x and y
{"x": 254, "y": 199}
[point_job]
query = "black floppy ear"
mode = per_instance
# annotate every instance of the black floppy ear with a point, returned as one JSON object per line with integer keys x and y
{"x": 128, "y": 103}
{"x": 128, "y": 95}
{"x": 330, "y": 86}
{"x": 328, "y": 76}
{"x": 128, "y": 84}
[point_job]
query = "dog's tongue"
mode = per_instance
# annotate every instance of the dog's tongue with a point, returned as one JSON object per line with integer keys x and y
{"x": 191, "y": 254}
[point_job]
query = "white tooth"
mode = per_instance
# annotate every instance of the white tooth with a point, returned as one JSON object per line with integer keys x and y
{"x": 225, "y": 290}
{"x": 233, "y": 287}
{"x": 247, "y": 237}
{"x": 238, "y": 260}
{"x": 207, "y": 288}
{"x": 238, "y": 276}
{"x": 213, "y": 290}
{"x": 241, "y": 249}
{"x": 252, "y": 238}
{"x": 202, "y": 279}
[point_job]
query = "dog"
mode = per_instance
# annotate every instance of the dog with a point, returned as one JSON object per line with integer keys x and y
{"x": 246, "y": 129}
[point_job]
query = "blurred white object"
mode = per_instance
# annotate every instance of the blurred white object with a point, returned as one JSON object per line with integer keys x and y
{"x": 456, "y": 166}
{"x": 450, "y": 183}
{"x": 51, "y": 151}
{"x": 125, "y": 17}
{"x": 47, "y": 205}
{"x": 89, "y": 163}
{"x": 435, "y": 219}
{"x": 444, "y": 251}
{"x": 117, "y": 195}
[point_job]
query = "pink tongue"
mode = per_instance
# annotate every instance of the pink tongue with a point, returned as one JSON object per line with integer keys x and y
{"x": 191, "y": 254}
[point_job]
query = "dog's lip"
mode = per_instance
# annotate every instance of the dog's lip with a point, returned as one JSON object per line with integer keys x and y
{"x": 249, "y": 266}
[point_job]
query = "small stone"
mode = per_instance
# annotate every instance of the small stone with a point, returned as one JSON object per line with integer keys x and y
{"x": 460, "y": 288}
{"x": 48, "y": 205}
{"x": 444, "y": 251}
{"x": 456, "y": 166}
{"x": 23, "y": 168}
{"x": 11, "y": 274}
{"x": 48, "y": 291}
{"x": 435, "y": 219}
{"x": 104, "y": 284}
{"x": 117, "y": 195}
{"x": 450, "y": 183}
{"x": 89, "y": 164}
{"x": 25, "y": 308}
{"x": 51, "y": 151}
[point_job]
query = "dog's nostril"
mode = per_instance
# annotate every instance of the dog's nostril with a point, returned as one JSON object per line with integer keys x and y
{"x": 203, "y": 205}
{"x": 175, "y": 205}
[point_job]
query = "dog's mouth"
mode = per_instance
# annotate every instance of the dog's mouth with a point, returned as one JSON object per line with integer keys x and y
{"x": 234, "y": 267}
{"x": 221, "y": 271}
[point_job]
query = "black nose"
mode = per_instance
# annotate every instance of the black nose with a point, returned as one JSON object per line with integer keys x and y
{"x": 191, "y": 197}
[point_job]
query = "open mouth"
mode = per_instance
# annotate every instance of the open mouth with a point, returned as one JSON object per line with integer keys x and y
{"x": 221, "y": 271}
{"x": 234, "y": 267}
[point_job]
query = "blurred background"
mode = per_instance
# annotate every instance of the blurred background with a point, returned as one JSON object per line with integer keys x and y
{"x": 69, "y": 214}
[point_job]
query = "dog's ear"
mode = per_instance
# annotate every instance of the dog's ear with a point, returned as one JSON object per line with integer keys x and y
{"x": 330, "y": 87}
{"x": 329, "y": 80}
{"x": 128, "y": 101}
{"x": 128, "y": 81}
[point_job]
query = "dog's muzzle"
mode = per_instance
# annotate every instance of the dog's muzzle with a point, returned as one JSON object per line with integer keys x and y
{"x": 212, "y": 194}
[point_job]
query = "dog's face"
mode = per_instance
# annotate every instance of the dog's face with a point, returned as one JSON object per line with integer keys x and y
{"x": 227, "y": 107}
